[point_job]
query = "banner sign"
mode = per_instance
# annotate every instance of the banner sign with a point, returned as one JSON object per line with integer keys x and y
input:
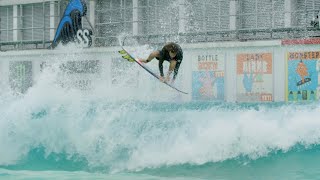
{"x": 303, "y": 76}
{"x": 208, "y": 77}
{"x": 254, "y": 77}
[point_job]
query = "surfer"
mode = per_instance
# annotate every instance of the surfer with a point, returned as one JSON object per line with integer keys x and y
{"x": 302, "y": 71}
{"x": 172, "y": 53}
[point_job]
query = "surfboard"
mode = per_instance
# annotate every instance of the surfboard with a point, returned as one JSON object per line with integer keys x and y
{"x": 126, "y": 55}
{"x": 306, "y": 80}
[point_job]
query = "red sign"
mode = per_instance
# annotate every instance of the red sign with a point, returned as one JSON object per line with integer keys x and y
{"x": 300, "y": 41}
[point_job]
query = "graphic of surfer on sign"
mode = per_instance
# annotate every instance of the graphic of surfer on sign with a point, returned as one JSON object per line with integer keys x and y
{"x": 302, "y": 71}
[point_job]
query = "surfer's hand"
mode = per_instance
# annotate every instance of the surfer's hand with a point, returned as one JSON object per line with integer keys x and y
{"x": 143, "y": 60}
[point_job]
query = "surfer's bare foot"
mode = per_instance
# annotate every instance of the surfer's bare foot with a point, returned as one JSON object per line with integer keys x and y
{"x": 167, "y": 79}
{"x": 161, "y": 79}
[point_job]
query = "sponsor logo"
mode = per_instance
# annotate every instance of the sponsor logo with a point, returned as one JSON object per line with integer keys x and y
{"x": 70, "y": 27}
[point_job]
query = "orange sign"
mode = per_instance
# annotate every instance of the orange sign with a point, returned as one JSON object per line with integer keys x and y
{"x": 208, "y": 62}
{"x": 260, "y": 63}
{"x": 208, "y": 66}
{"x": 304, "y": 55}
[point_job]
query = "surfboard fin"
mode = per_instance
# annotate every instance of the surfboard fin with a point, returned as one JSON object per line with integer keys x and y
{"x": 122, "y": 52}
{"x": 129, "y": 58}
{"x": 126, "y": 56}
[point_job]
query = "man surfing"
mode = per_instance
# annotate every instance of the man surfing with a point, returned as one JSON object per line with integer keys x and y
{"x": 172, "y": 53}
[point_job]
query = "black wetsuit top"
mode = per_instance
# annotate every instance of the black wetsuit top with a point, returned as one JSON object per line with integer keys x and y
{"x": 164, "y": 56}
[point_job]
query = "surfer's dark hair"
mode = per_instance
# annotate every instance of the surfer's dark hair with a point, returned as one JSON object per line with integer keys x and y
{"x": 173, "y": 47}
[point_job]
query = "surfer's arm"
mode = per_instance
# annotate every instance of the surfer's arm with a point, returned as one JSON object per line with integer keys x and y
{"x": 154, "y": 54}
{"x": 172, "y": 67}
{"x": 161, "y": 67}
{"x": 176, "y": 69}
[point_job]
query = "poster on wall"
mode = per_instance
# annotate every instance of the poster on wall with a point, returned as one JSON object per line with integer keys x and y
{"x": 208, "y": 77}
{"x": 254, "y": 77}
{"x": 303, "y": 76}
{"x": 79, "y": 74}
{"x": 124, "y": 73}
{"x": 20, "y": 75}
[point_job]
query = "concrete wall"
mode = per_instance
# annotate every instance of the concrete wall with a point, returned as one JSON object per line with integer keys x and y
{"x": 196, "y": 56}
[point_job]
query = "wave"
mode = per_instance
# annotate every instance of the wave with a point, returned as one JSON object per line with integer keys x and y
{"x": 131, "y": 135}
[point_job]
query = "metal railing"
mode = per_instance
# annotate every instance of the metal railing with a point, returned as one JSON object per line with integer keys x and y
{"x": 187, "y": 21}
{"x": 32, "y": 25}
{"x": 5, "y": 23}
{"x": 208, "y": 21}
